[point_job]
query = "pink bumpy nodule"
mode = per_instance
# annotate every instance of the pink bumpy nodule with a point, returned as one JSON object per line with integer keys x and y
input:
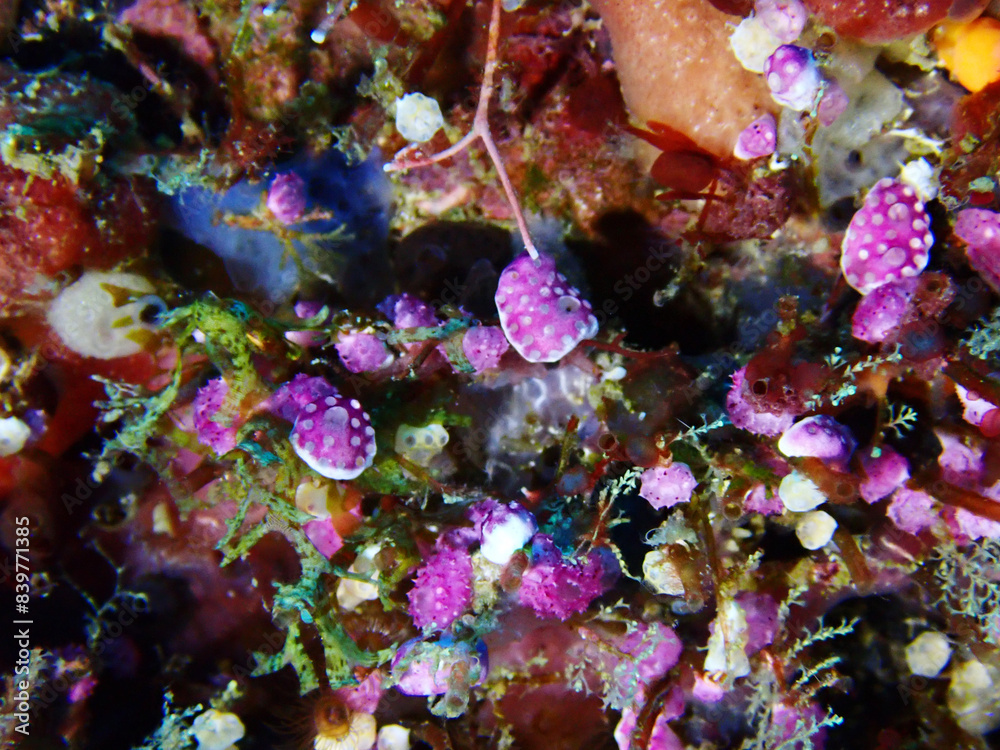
{"x": 832, "y": 104}
{"x": 208, "y": 425}
{"x": 888, "y": 239}
{"x": 793, "y": 77}
{"x": 758, "y": 139}
{"x": 286, "y": 199}
{"x": 483, "y": 346}
{"x": 667, "y": 486}
{"x": 442, "y": 589}
{"x": 542, "y": 316}
{"x": 334, "y": 436}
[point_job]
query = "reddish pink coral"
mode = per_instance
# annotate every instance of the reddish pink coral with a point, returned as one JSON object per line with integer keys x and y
{"x": 888, "y": 239}
{"x": 442, "y": 589}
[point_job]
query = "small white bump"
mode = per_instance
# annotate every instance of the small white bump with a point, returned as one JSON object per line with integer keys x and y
{"x": 355, "y": 403}
{"x": 355, "y": 423}
{"x": 355, "y": 441}
{"x": 863, "y": 254}
{"x": 307, "y": 424}
{"x": 310, "y": 408}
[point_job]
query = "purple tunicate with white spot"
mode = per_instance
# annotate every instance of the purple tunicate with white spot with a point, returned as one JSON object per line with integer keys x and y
{"x": 793, "y": 77}
{"x": 888, "y": 239}
{"x": 881, "y": 312}
{"x": 542, "y": 316}
{"x": 363, "y": 352}
{"x": 980, "y": 229}
{"x": 334, "y": 436}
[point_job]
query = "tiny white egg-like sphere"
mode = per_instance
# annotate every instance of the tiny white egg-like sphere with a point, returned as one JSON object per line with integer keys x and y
{"x": 350, "y": 592}
{"x": 418, "y": 117}
{"x": 815, "y": 529}
{"x": 928, "y": 654}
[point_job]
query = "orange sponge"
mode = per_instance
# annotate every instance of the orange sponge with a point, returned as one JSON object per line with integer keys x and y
{"x": 970, "y": 51}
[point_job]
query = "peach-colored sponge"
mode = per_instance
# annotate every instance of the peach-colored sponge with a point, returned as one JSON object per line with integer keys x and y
{"x": 676, "y": 67}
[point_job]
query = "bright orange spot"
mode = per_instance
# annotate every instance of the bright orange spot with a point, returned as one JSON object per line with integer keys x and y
{"x": 970, "y": 51}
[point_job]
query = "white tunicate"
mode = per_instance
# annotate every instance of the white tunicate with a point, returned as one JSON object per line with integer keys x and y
{"x": 418, "y": 117}
{"x": 393, "y": 737}
{"x": 351, "y": 592}
{"x": 501, "y": 540}
{"x": 815, "y": 529}
{"x": 920, "y": 176}
{"x": 974, "y": 697}
{"x": 100, "y": 314}
{"x": 752, "y": 43}
{"x": 420, "y": 444}
{"x": 13, "y": 435}
{"x": 928, "y": 654}
{"x": 799, "y": 493}
{"x": 661, "y": 573}
{"x": 217, "y": 730}
{"x": 727, "y": 643}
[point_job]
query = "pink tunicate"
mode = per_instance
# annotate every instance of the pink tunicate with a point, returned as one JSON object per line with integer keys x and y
{"x": 745, "y": 415}
{"x": 793, "y": 77}
{"x": 334, "y": 436}
{"x": 442, "y": 589}
{"x": 885, "y": 473}
{"x": 286, "y": 198}
{"x": 543, "y": 317}
{"x": 761, "y": 611}
{"x": 888, "y": 239}
{"x": 783, "y": 18}
{"x": 757, "y": 501}
{"x": 974, "y": 526}
{"x": 483, "y": 346}
{"x": 832, "y": 104}
{"x": 980, "y": 229}
{"x": 912, "y": 510}
{"x": 407, "y": 311}
{"x": 667, "y": 486}
{"x": 882, "y": 311}
{"x": 759, "y": 138}
{"x": 820, "y": 437}
{"x": 363, "y": 352}
{"x": 323, "y": 535}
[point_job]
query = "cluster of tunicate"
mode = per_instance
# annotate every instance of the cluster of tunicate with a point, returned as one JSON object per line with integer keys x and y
{"x": 557, "y": 586}
{"x": 442, "y": 588}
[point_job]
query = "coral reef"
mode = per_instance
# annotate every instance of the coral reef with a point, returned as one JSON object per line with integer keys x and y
{"x": 500, "y": 374}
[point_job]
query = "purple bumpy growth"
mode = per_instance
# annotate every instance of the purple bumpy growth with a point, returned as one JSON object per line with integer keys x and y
{"x": 287, "y": 198}
{"x": 783, "y": 18}
{"x": 888, "y": 239}
{"x": 442, "y": 589}
{"x": 363, "y": 352}
{"x": 880, "y": 313}
{"x": 980, "y": 229}
{"x": 543, "y": 317}
{"x": 557, "y": 587}
{"x": 793, "y": 77}
{"x": 211, "y": 431}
